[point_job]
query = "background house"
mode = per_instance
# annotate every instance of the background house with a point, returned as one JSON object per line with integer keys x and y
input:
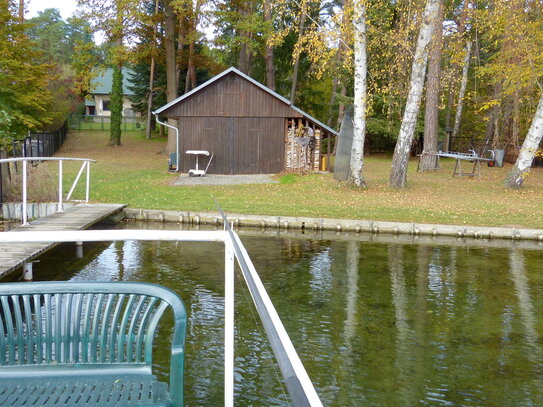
{"x": 249, "y": 128}
{"x": 98, "y": 101}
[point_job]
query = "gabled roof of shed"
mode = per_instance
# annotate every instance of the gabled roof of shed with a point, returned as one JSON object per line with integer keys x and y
{"x": 254, "y": 82}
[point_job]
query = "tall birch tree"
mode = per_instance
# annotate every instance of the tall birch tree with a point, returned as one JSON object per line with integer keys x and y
{"x": 462, "y": 92}
{"x": 527, "y": 151}
{"x": 360, "y": 94}
{"x": 400, "y": 160}
{"x": 431, "y": 112}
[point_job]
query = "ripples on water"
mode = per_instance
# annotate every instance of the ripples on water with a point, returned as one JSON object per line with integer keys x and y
{"x": 375, "y": 324}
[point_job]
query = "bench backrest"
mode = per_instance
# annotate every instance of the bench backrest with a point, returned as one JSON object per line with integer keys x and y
{"x": 52, "y": 323}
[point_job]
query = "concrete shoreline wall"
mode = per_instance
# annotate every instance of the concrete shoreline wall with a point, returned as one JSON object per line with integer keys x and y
{"x": 34, "y": 210}
{"x": 338, "y": 225}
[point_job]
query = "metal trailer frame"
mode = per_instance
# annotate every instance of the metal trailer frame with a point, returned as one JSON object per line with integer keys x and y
{"x": 472, "y": 156}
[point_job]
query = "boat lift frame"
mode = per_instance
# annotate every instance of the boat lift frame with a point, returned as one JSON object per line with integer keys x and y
{"x": 471, "y": 156}
{"x": 298, "y": 383}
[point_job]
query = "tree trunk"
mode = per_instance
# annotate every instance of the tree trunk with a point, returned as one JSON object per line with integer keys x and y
{"x": 244, "y": 55}
{"x": 171, "y": 67}
{"x": 360, "y": 73}
{"x": 21, "y": 10}
{"x": 270, "y": 66}
{"x": 332, "y": 101}
{"x": 181, "y": 40}
{"x": 527, "y": 151}
{"x": 400, "y": 160}
{"x": 150, "y": 100}
{"x": 151, "y": 83}
{"x": 450, "y": 102}
{"x": 496, "y": 113}
{"x": 191, "y": 82}
{"x": 243, "y": 59}
{"x": 296, "y": 67}
{"x": 516, "y": 119}
{"x": 462, "y": 93}
{"x": 431, "y": 115}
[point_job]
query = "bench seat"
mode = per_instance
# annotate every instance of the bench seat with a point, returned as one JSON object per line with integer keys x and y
{"x": 82, "y": 390}
{"x": 87, "y": 344}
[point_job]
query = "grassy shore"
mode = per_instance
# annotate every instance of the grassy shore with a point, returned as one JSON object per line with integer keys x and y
{"x": 136, "y": 174}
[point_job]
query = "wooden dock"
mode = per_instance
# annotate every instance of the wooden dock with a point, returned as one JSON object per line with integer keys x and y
{"x": 82, "y": 216}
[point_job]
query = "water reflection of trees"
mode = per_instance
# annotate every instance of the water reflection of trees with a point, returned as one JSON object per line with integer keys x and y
{"x": 375, "y": 324}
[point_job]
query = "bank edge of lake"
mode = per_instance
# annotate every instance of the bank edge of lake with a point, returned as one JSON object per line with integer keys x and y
{"x": 339, "y": 225}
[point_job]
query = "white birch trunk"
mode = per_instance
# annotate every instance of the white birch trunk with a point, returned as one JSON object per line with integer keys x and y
{"x": 527, "y": 151}
{"x": 398, "y": 174}
{"x": 462, "y": 93}
{"x": 360, "y": 73}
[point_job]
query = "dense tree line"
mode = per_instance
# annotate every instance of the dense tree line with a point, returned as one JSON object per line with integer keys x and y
{"x": 417, "y": 71}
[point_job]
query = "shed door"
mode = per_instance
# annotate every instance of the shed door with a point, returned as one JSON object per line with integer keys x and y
{"x": 241, "y": 145}
{"x": 258, "y": 145}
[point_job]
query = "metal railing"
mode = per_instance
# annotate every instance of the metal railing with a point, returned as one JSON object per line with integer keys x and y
{"x": 298, "y": 383}
{"x": 85, "y": 165}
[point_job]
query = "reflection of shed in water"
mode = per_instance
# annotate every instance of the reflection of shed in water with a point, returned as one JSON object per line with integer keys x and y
{"x": 249, "y": 128}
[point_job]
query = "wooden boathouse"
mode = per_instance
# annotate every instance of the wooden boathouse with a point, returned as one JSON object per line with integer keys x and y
{"x": 249, "y": 128}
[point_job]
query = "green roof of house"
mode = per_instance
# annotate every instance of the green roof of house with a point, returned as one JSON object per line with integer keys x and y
{"x": 101, "y": 85}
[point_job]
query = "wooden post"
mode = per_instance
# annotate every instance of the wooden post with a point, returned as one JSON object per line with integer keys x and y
{"x": 286, "y": 163}
{"x": 328, "y": 145}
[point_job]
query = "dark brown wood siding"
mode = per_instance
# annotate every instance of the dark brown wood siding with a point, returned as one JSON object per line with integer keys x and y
{"x": 231, "y": 96}
{"x": 241, "y": 145}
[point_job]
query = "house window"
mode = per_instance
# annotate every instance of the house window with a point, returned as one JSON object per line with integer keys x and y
{"x": 105, "y": 105}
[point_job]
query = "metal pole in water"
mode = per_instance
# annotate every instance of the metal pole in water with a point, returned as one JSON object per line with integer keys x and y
{"x": 27, "y": 272}
{"x": 228, "y": 323}
{"x": 79, "y": 250}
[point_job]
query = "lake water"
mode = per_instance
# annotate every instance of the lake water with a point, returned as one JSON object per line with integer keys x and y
{"x": 376, "y": 324}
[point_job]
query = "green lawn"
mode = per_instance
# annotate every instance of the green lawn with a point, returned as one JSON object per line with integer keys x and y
{"x": 136, "y": 174}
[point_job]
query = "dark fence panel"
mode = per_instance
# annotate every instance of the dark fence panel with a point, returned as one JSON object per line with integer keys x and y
{"x": 129, "y": 123}
{"x": 36, "y": 144}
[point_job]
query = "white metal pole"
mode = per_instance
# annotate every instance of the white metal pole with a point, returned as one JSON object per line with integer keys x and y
{"x": 23, "y": 214}
{"x": 228, "y": 324}
{"x": 87, "y": 192}
{"x": 27, "y": 271}
{"x": 59, "y": 208}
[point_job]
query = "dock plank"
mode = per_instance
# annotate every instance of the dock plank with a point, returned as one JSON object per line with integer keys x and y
{"x": 78, "y": 217}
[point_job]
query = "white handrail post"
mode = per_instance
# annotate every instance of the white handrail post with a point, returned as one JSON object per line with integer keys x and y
{"x": 228, "y": 323}
{"x": 23, "y": 214}
{"x": 60, "y": 208}
{"x": 87, "y": 191}
{"x": 76, "y": 180}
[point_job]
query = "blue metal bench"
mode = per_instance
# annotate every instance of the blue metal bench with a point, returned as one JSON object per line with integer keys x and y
{"x": 87, "y": 344}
